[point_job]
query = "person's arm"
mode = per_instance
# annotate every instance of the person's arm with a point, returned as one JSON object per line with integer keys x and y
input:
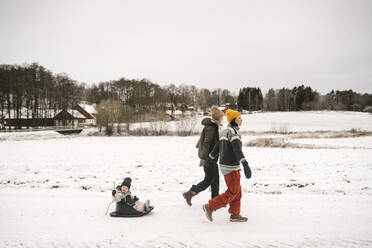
{"x": 117, "y": 196}
{"x": 238, "y": 151}
{"x": 129, "y": 200}
{"x": 216, "y": 149}
{"x": 208, "y": 139}
{"x": 237, "y": 147}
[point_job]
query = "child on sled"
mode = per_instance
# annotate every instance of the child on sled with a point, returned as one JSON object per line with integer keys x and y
{"x": 123, "y": 195}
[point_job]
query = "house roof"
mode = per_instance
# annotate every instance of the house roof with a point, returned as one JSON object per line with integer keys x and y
{"x": 89, "y": 111}
{"x": 90, "y": 108}
{"x": 76, "y": 114}
{"x": 70, "y": 112}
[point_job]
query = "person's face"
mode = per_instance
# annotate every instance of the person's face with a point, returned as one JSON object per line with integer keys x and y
{"x": 124, "y": 189}
{"x": 220, "y": 119}
{"x": 239, "y": 120}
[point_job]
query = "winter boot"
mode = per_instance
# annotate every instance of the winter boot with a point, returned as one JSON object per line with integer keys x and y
{"x": 238, "y": 218}
{"x": 188, "y": 195}
{"x": 208, "y": 212}
{"x": 147, "y": 205}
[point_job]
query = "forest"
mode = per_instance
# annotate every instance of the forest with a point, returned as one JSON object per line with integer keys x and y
{"x": 35, "y": 91}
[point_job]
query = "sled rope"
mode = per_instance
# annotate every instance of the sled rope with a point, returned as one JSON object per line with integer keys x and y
{"x": 109, "y": 207}
{"x": 110, "y": 202}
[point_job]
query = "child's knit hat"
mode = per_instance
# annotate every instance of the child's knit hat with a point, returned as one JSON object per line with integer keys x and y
{"x": 126, "y": 182}
{"x": 231, "y": 115}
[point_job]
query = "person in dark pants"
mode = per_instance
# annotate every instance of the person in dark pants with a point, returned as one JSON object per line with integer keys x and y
{"x": 208, "y": 139}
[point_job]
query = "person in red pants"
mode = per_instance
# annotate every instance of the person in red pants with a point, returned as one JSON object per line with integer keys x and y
{"x": 229, "y": 148}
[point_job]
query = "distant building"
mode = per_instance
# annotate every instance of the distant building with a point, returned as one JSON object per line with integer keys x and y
{"x": 88, "y": 111}
{"x": 23, "y": 118}
{"x": 69, "y": 118}
{"x": 81, "y": 114}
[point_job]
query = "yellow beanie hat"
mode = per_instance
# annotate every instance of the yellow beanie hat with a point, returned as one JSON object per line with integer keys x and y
{"x": 231, "y": 114}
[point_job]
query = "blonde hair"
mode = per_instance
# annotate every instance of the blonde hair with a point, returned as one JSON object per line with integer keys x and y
{"x": 216, "y": 112}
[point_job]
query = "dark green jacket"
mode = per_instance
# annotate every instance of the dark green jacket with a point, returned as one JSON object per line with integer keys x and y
{"x": 208, "y": 138}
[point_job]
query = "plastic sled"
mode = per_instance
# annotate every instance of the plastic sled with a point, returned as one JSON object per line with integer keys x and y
{"x": 123, "y": 210}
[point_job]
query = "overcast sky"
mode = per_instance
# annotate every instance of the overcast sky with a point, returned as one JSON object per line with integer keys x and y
{"x": 213, "y": 44}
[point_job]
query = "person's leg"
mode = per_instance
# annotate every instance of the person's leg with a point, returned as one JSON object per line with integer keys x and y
{"x": 201, "y": 186}
{"x": 206, "y": 182}
{"x": 215, "y": 185}
{"x": 139, "y": 206}
{"x": 229, "y": 195}
{"x": 235, "y": 204}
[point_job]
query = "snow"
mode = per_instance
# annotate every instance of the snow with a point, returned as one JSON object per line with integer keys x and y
{"x": 54, "y": 190}
{"x": 290, "y": 122}
{"x": 41, "y": 135}
{"x": 27, "y": 113}
{"x": 90, "y": 108}
{"x": 359, "y": 142}
{"x": 175, "y": 112}
{"x": 307, "y": 121}
{"x": 69, "y": 218}
{"x": 76, "y": 114}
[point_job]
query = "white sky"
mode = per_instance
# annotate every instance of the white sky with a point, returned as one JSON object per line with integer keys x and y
{"x": 213, "y": 44}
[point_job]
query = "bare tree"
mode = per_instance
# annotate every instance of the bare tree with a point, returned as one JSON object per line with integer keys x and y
{"x": 204, "y": 99}
{"x": 109, "y": 112}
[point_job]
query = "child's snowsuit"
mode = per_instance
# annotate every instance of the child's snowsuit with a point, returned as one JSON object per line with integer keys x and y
{"x": 128, "y": 199}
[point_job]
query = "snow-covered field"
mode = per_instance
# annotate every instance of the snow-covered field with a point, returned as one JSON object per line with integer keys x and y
{"x": 54, "y": 190}
{"x": 307, "y": 121}
{"x": 291, "y": 122}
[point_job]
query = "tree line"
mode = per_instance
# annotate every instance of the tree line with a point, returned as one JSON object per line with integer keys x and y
{"x": 144, "y": 95}
{"x": 302, "y": 98}
{"x": 33, "y": 91}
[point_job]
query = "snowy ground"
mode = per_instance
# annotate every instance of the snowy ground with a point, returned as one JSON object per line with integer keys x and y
{"x": 307, "y": 121}
{"x": 290, "y": 122}
{"x": 54, "y": 191}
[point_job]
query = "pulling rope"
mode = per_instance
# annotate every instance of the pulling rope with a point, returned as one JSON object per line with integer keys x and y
{"x": 110, "y": 202}
{"x": 109, "y": 207}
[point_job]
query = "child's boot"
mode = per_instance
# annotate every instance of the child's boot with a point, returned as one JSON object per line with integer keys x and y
{"x": 147, "y": 205}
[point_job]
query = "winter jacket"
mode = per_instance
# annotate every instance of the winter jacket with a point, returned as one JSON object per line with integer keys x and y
{"x": 208, "y": 138}
{"x": 126, "y": 198}
{"x": 229, "y": 147}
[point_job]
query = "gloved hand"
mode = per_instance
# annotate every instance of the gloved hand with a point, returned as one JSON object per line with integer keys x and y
{"x": 203, "y": 162}
{"x": 211, "y": 160}
{"x": 247, "y": 170}
{"x": 113, "y": 192}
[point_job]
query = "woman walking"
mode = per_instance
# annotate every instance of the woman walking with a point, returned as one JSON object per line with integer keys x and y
{"x": 231, "y": 155}
{"x": 208, "y": 139}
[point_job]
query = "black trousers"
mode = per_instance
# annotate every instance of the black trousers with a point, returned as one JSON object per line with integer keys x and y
{"x": 211, "y": 178}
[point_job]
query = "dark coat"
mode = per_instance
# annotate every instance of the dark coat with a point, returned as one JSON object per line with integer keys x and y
{"x": 208, "y": 138}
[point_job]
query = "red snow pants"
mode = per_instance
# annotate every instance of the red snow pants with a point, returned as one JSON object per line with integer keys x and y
{"x": 232, "y": 195}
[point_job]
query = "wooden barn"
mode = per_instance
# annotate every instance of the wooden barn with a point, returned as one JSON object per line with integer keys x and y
{"x": 69, "y": 118}
{"x": 88, "y": 111}
{"x": 23, "y": 118}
